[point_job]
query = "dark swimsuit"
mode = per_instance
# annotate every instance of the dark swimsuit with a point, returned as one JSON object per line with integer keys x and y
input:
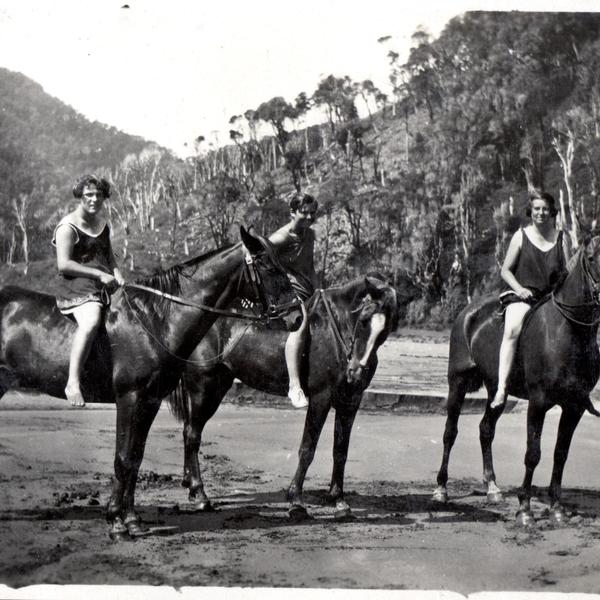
{"x": 91, "y": 251}
{"x": 536, "y": 270}
{"x": 296, "y": 256}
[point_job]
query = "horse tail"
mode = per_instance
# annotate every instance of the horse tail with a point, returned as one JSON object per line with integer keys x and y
{"x": 590, "y": 408}
{"x": 179, "y": 401}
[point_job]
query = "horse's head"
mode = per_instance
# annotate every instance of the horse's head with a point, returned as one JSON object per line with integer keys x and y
{"x": 267, "y": 285}
{"x": 591, "y": 255}
{"x": 377, "y": 317}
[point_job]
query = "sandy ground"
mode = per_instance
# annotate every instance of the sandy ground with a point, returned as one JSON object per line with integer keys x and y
{"x": 56, "y": 465}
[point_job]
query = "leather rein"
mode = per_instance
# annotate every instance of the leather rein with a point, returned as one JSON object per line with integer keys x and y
{"x": 269, "y": 312}
{"x": 568, "y": 310}
{"x": 347, "y": 348}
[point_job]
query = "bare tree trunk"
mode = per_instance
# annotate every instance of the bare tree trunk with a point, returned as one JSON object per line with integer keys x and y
{"x": 566, "y": 155}
{"x": 21, "y": 209}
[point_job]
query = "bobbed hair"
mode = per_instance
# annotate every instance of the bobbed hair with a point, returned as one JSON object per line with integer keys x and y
{"x": 101, "y": 184}
{"x": 546, "y": 197}
{"x": 300, "y": 199}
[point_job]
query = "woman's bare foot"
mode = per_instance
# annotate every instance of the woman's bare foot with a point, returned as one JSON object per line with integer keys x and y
{"x": 74, "y": 396}
{"x": 297, "y": 397}
{"x": 499, "y": 399}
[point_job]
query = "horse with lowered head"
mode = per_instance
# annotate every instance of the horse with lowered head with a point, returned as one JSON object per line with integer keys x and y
{"x": 557, "y": 363}
{"x": 138, "y": 357}
{"x": 347, "y": 326}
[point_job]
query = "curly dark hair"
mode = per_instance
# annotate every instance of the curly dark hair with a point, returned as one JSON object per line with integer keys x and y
{"x": 101, "y": 184}
{"x": 546, "y": 197}
{"x": 300, "y": 199}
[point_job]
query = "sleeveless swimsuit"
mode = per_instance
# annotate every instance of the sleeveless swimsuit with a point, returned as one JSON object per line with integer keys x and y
{"x": 91, "y": 251}
{"x": 297, "y": 257}
{"x": 536, "y": 270}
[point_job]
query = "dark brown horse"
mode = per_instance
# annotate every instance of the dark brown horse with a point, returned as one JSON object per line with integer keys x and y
{"x": 557, "y": 363}
{"x": 138, "y": 358}
{"x": 347, "y": 326}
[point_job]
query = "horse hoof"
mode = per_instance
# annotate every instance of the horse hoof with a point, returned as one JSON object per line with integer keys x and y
{"x": 495, "y": 497}
{"x": 119, "y": 536}
{"x": 204, "y": 506}
{"x": 558, "y": 518}
{"x": 298, "y": 513}
{"x": 136, "y": 529}
{"x": 440, "y": 495}
{"x": 525, "y": 518}
{"x": 344, "y": 515}
{"x": 118, "y": 532}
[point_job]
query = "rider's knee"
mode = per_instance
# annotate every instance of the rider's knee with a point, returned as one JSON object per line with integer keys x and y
{"x": 511, "y": 332}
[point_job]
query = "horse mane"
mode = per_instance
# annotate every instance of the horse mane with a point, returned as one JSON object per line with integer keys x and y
{"x": 169, "y": 281}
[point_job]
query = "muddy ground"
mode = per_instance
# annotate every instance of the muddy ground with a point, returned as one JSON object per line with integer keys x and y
{"x": 56, "y": 465}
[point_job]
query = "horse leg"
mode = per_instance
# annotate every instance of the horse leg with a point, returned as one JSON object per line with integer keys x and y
{"x": 536, "y": 413}
{"x": 8, "y": 380}
{"x": 341, "y": 441}
{"x": 205, "y": 394}
{"x": 456, "y": 396}
{"x": 135, "y": 414}
{"x": 568, "y": 422}
{"x": 487, "y": 431}
{"x": 316, "y": 415}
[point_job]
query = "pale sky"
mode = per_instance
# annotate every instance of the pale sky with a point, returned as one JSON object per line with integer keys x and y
{"x": 170, "y": 71}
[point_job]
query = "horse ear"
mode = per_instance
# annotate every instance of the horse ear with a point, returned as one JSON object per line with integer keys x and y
{"x": 251, "y": 243}
{"x": 374, "y": 286}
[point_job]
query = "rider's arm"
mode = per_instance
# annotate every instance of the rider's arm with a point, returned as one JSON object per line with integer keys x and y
{"x": 313, "y": 273}
{"x": 65, "y": 242}
{"x": 113, "y": 266}
{"x": 510, "y": 261}
{"x": 278, "y": 239}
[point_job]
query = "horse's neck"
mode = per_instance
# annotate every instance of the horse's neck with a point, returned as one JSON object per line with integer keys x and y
{"x": 214, "y": 283}
{"x": 574, "y": 289}
{"x": 343, "y": 300}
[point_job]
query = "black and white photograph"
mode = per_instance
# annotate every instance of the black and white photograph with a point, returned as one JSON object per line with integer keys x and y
{"x": 299, "y": 298}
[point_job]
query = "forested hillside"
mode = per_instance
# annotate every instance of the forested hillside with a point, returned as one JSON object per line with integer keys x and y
{"x": 44, "y": 146}
{"x": 432, "y": 178}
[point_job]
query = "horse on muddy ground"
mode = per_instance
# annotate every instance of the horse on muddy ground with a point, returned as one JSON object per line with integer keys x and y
{"x": 557, "y": 363}
{"x": 150, "y": 329}
{"x": 347, "y": 326}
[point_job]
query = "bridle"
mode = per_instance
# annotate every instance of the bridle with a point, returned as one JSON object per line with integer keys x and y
{"x": 251, "y": 274}
{"x": 346, "y": 348}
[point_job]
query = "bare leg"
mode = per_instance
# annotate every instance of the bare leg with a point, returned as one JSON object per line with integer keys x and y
{"x": 88, "y": 317}
{"x": 294, "y": 347}
{"x": 513, "y": 322}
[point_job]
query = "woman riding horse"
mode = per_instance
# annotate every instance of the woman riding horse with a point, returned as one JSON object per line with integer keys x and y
{"x": 557, "y": 362}
{"x": 534, "y": 262}
{"x": 295, "y": 244}
{"x": 137, "y": 358}
{"x": 88, "y": 273}
{"x": 348, "y": 324}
